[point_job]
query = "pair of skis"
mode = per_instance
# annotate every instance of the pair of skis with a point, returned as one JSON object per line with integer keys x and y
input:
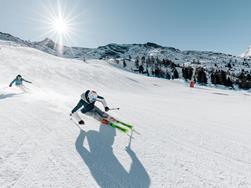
{"x": 124, "y": 127}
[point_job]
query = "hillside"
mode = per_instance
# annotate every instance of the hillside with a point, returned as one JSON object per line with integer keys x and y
{"x": 247, "y": 53}
{"x": 124, "y": 51}
{"x": 219, "y": 69}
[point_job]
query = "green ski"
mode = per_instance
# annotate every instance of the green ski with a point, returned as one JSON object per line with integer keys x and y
{"x": 107, "y": 122}
{"x": 125, "y": 124}
{"x": 118, "y": 127}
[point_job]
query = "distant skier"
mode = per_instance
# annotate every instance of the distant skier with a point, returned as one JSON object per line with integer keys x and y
{"x": 192, "y": 83}
{"x": 19, "y": 83}
{"x": 87, "y": 103}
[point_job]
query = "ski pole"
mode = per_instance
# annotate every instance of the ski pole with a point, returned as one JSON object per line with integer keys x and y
{"x": 114, "y": 108}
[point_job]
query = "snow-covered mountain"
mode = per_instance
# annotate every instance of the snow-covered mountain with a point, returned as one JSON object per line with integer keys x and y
{"x": 154, "y": 59}
{"x": 125, "y": 51}
{"x": 247, "y": 53}
{"x": 13, "y": 40}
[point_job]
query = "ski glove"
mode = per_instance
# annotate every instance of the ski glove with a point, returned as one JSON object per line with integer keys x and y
{"x": 107, "y": 109}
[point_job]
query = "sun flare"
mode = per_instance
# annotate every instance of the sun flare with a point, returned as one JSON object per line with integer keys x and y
{"x": 59, "y": 23}
{"x": 60, "y": 26}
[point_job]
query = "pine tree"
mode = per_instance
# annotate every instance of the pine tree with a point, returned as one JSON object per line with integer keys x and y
{"x": 175, "y": 73}
{"x": 137, "y": 63}
{"x": 124, "y": 63}
{"x": 141, "y": 69}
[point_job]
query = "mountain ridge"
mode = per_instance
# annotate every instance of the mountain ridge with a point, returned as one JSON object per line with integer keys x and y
{"x": 114, "y": 50}
{"x": 247, "y": 53}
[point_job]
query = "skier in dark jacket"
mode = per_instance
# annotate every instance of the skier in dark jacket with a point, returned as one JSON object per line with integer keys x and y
{"x": 19, "y": 82}
{"x": 87, "y": 103}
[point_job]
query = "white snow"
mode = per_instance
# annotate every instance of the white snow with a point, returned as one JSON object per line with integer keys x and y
{"x": 188, "y": 137}
{"x": 247, "y": 53}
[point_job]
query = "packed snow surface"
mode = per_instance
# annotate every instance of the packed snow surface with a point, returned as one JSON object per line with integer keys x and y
{"x": 186, "y": 137}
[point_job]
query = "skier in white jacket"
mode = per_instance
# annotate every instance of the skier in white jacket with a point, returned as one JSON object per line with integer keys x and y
{"x": 87, "y": 103}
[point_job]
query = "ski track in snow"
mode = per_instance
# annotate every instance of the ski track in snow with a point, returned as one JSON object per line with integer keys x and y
{"x": 188, "y": 137}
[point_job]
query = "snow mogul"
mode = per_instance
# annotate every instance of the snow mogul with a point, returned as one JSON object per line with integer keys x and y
{"x": 19, "y": 83}
{"x": 87, "y": 105}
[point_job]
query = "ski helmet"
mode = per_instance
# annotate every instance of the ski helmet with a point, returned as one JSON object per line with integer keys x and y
{"x": 92, "y": 96}
{"x": 19, "y": 76}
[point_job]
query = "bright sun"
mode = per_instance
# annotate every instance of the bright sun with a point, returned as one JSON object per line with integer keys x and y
{"x": 59, "y": 23}
{"x": 60, "y": 26}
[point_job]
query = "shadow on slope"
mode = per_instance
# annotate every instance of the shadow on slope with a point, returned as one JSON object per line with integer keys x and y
{"x": 4, "y": 96}
{"x": 103, "y": 164}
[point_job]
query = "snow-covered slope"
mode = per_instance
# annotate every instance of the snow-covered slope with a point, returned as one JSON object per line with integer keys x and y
{"x": 188, "y": 137}
{"x": 247, "y": 53}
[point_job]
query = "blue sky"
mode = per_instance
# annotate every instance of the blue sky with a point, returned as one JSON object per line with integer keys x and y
{"x": 215, "y": 25}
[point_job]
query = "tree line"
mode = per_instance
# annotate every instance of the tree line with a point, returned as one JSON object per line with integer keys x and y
{"x": 167, "y": 69}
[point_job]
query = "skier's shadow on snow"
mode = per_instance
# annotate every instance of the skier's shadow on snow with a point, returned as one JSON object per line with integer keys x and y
{"x": 4, "y": 96}
{"x": 103, "y": 164}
